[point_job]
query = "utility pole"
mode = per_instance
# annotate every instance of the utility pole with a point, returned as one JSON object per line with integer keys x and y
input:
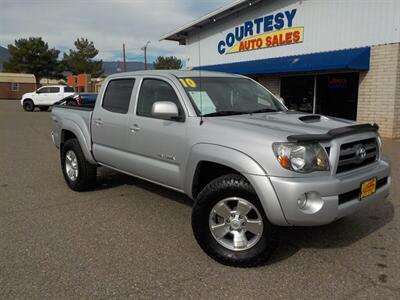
{"x": 124, "y": 58}
{"x": 145, "y": 58}
{"x": 145, "y": 54}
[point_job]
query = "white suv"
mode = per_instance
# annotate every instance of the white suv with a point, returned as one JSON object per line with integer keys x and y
{"x": 45, "y": 97}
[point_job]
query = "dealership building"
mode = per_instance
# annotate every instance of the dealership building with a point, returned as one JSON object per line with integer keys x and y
{"x": 338, "y": 58}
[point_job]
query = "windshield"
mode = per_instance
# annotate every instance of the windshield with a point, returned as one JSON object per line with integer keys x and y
{"x": 217, "y": 96}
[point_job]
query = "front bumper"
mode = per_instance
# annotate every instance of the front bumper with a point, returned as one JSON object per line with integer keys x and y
{"x": 324, "y": 206}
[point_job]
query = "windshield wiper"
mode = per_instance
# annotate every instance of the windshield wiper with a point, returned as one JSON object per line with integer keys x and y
{"x": 263, "y": 110}
{"x": 225, "y": 113}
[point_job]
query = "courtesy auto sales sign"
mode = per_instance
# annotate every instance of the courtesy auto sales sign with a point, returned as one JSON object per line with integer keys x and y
{"x": 264, "y": 32}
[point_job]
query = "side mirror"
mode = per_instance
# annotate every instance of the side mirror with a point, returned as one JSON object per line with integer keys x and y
{"x": 280, "y": 99}
{"x": 165, "y": 110}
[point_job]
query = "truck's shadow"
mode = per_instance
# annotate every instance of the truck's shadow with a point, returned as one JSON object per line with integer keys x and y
{"x": 107, "y": 178}
{"x": 339, "y": 234}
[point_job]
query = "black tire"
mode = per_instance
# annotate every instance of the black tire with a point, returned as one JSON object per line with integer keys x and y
{"x": 28, "y": 105}
{"x": 44, "y": 108}
{"x": 87, "y": 172}
{"x": 231, "y": 185}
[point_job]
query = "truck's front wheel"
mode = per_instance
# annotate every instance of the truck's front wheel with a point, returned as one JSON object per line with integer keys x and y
{"x": 79, "y": 174}
{"x": 230, "y": 225}
{"x": 28, "y": 105}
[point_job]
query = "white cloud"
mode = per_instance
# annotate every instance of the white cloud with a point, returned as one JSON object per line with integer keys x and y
{"x": 107, "y": 23}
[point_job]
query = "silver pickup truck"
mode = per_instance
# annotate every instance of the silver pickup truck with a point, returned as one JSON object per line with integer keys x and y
{"x": 225, "y": 141}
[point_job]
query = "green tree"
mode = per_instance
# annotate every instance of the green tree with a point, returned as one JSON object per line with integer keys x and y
{"x": 81, "y": 60}
{"x": 167, "y": 63}
{"x": 33, "y": 56}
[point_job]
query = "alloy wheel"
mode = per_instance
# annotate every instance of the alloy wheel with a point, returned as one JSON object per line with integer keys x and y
{"x": 71, "y": 165}
{"x": 236, "y": 224}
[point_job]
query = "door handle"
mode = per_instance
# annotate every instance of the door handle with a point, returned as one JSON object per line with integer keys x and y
{"x": 99, "y": 122}
{"x": 134, "y": 128}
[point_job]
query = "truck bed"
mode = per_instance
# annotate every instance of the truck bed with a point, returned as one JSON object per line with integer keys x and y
{"x": 74, "y": 118}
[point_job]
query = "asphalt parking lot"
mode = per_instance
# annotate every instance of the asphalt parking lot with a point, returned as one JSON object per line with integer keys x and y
{"x": 129, "y": 238}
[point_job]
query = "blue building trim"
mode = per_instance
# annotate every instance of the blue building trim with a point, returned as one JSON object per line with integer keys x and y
{"x": 350, "y": 59}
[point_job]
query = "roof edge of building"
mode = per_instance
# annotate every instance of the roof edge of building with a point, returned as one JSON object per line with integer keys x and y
{"x": 180, "y": 33}
{"x": 17, "y": 77}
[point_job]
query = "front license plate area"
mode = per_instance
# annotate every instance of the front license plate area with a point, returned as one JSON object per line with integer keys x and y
{"x": 368, "y": 188}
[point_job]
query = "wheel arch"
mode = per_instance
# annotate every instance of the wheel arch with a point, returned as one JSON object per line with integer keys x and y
{"x": 72, "y": 130}
{"x": 224, "y": 158}
{"x": 206, "y": 171}
{"x": 27, "y": 99}
{"x": 237, "y": 163}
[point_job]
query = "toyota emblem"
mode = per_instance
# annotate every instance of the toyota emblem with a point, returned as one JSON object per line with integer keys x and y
{"x": 361, "y": 152}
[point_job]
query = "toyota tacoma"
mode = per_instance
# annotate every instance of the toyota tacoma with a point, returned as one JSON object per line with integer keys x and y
{"x": 250, "y": 164}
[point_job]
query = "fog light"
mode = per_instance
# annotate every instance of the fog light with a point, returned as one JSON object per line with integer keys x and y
{"x": 310, "y": 202}
{"x": 302, "y": 201}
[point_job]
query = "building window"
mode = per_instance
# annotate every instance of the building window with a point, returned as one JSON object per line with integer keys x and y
{"x": 15, "y": 86}
{"x": 334, "y": 95}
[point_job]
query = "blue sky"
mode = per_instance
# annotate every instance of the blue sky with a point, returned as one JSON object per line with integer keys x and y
{"x": 107, "y": 23}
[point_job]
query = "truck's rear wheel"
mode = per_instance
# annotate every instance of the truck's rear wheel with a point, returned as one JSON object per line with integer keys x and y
{"x": 79, "y": 174}
{"x": 28, "y": 105}
{"x": 230, "y": 225}
{"x": 44, "y": 108}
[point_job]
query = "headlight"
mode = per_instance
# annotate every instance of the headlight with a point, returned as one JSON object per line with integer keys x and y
{"x": 302, "y": 158}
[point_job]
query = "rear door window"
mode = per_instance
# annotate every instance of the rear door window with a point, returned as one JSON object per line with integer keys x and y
{"x": 54, "y": 90}
{"x": 118, "y": 95}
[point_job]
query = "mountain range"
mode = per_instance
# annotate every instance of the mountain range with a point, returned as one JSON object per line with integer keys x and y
{"x": 109, "y": 67}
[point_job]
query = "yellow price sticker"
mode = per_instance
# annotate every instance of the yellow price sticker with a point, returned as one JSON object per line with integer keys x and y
{"x": 188, "y": 82}
{"x": 183, "y": 82}
{"x": 191, "y": 83}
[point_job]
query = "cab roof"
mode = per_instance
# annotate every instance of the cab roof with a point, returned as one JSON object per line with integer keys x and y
{"x": 173, "y": 73}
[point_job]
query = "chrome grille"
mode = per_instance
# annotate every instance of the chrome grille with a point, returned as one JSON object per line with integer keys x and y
{"x": 357, "y": 154}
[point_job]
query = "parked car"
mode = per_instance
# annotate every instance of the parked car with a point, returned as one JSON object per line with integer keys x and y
{"x": 45, "y": 97}
{"x": 80, "y": 99}
{"x": 225, "y": 141}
